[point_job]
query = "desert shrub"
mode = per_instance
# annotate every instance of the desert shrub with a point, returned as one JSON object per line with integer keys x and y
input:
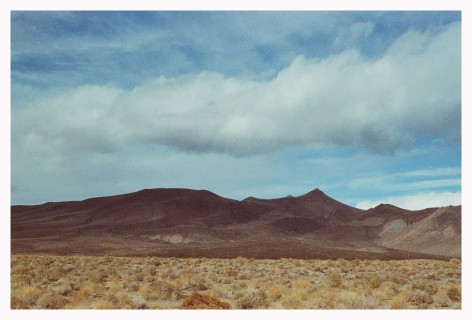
{"x": 349, "y": 300}
{"x": 430, "y": 287}
{"x": 386, "y": 290}
{"x": 242, "y": 284}
{"x": 413, "y": 270}
{"x": 274, "y": 291}
{"x": 163, "y": 289}
{"x": 21, "y": 280}
{"x": 19, "y": 303}
{"x": 252, "y": 299}
{"x": 124, "y": 301}
{"x": 296, "y": 263}
{"x": 452, "y": 273}
{"x": 85, "y": 292}
{"x": 293, "y": 300}
{"x": 398, "y": 278}
{"x": 132, "y": 286}
{"x": 318, "y": 267}
{"x": 139, "y": 303}
{"x": 225, "y": 280}
{"x": 80, "y": 282}
{"x": 442, "y": 300}
{"x": 25, "y": 297}
{"x": 231, "y": 273}
{"x": 220, "y": 293}
{"x": 335, "y": 279}
{"x": 240, "y": 261}
{"x": 105, "y": 305}
{"x": 419, "y": 297}
{"x": 20, "y": 269}
{"x": 454, "y": 293}
{"x": 139, "y": 276}
{"x": 300, "y": 284}
{"x": 170, "y": 274}
{"x": 370, "y": 302}
{"x": 68, "y": 267}
{"x": 244, "y": 275}
{"x": 199, "y": 283}
{"x": 113, "y": 272}
{"x": 52, "y": 300}
{"x": 99, "y": 276}
{"x": 372, "y": 280}
{"x": 107, "y": 259}
{"x": 112, "y": 299}
{"x": 54, "y": 274}
{"x": 432, "y": 276}
{"x": 327, "y": 300}
{"x": 65, "y": 289}
{"x": 455, "y": 262}
{"x": 200, "y": 301}
{"x": 356, "y": 262}
{"x": 330, "y": 264}
{"x": 259, "y": 283}
{"x": 153, "y": 260}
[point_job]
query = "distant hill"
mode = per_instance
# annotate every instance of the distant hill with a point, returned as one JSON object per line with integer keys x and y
{"x": 194, "y": 223}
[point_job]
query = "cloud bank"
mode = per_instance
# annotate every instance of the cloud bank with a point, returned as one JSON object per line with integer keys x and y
{"x": 380, "y": 105}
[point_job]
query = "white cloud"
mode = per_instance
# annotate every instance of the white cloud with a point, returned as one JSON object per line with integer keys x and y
{"x": 407, "y": 181}
{"x": 436, "y": 172}
{"x": 435, "y": 183}
{"x": 416, "y": 201}
{"x": 345, "y": 99}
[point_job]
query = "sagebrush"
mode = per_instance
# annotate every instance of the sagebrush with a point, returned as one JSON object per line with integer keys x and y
{"x": 76, "y": 282}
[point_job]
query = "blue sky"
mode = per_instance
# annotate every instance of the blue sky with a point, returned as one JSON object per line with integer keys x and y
{"x": 363, "y": 105}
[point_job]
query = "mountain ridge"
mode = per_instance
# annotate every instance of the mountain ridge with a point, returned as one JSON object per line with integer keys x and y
{"x": 179, "y": 221}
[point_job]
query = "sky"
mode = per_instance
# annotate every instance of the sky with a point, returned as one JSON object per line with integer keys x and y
{"x": 364, "y": 105}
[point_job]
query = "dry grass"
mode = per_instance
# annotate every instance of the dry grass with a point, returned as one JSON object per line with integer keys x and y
{"x": 59, "y": 282}
{"x": 199, "y": 301}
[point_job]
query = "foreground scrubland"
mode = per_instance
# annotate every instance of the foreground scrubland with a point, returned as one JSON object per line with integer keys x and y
{"x": 73, "y": 282}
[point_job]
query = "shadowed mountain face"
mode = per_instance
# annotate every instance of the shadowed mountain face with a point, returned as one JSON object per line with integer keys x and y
{"x": 189, "y": 223}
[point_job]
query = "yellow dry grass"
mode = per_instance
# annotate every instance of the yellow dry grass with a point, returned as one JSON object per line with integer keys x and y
{"x": 76, "y": 282}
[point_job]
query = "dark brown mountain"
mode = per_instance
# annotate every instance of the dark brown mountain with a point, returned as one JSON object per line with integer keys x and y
{"x": 184, "y": 222}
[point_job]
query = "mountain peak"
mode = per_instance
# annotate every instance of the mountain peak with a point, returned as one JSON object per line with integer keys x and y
{"x": 315, "y": 192}
{"x": 388, "y": 207}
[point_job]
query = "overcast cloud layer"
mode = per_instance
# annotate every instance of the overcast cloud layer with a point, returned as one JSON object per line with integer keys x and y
{"x": 317, "y": 89}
